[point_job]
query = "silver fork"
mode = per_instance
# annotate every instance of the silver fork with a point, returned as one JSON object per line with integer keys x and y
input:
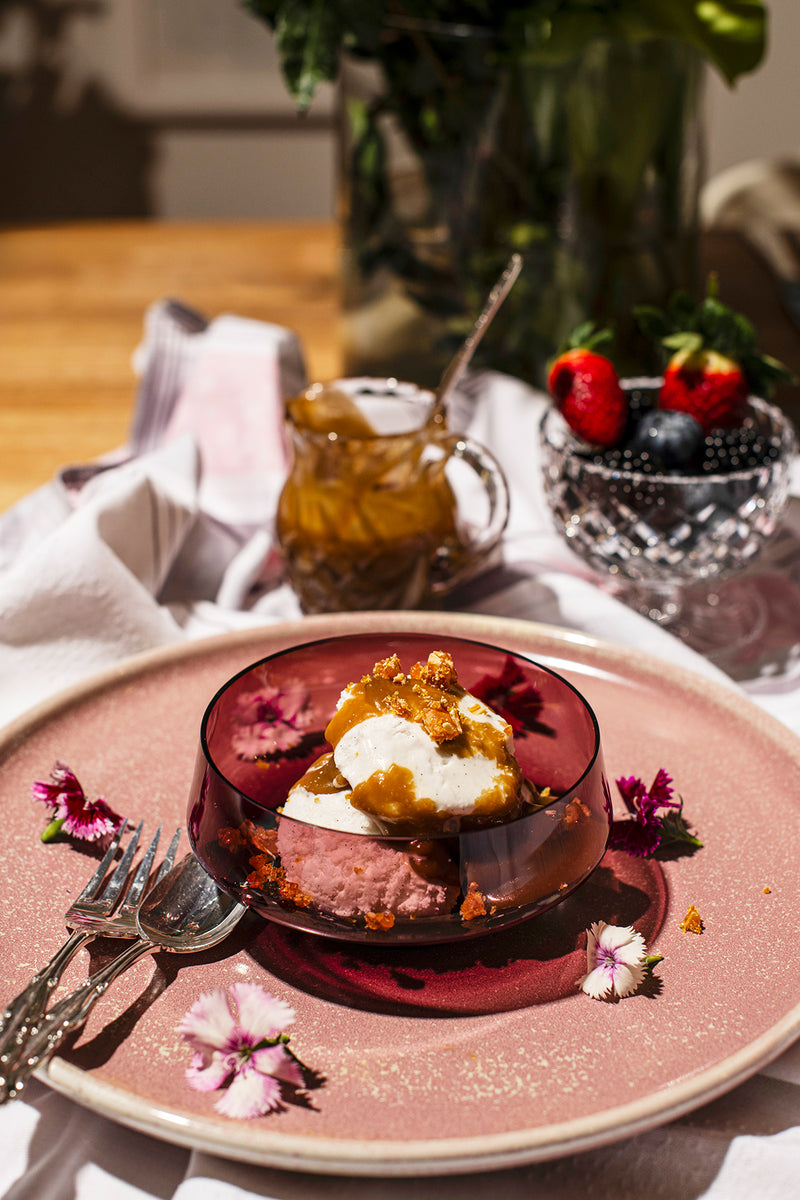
{"x": 89, "y": 916}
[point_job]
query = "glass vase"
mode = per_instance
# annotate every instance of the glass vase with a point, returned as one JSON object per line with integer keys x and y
{"x": 454, "y": 153}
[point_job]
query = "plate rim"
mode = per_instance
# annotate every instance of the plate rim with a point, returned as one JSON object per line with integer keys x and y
{"x": 406, "y": 1158}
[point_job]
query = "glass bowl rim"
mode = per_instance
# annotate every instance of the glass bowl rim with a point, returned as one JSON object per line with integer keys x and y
{"x": 784, "y": 426}
{"x": 405, "y": 838}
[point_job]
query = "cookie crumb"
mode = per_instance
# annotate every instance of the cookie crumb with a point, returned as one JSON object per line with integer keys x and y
{"x": 692, "y": 922}
{"x": 379, "y": 920}
{"x": 473, "y": 905}
{"x": 766, "y": 890}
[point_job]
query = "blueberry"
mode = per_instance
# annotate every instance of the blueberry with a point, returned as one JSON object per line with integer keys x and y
{"x": 670, "y": 440}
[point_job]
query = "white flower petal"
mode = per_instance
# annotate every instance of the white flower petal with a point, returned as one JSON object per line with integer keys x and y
{"x": 209, "y": 1022}
{"x": 261, "y": 1015}
{"x": 615, "y": 957}
{"x": 250, "y": 1095}
{"x": 627, "y": 979}
{"x": 623, "y": 940}
{"x": 632, "y": 953}
{"x": 597, "y": 983}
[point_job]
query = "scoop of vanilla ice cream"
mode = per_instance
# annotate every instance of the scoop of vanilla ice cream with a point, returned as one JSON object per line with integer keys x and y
{"x": 328, "y": 810}
{"x": 412, "y": 753}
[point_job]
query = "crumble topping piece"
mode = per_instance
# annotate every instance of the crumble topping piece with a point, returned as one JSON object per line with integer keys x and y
{"x": 398, "y": 705}
{"x": 692, "y": 922}
{"x": 379, "y": 920}
{"x": 389, "y": 668}
{"x": 473, "y": 904}
{"x": 575, "y": 811}
{"x": 439, "y": 670}
{"x": 440, "y": 720}
{"x": 292, "y": 893}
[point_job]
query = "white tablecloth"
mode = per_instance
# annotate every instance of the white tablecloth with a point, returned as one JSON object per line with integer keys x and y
{"x": 169, "y": 539}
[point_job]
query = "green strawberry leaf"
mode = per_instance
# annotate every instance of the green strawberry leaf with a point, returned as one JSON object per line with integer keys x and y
{"x": 687, "y": 326}
{"x": 587, "y": 336}
{"x": 652, "y": 321}
{"x": 690, "y": 342}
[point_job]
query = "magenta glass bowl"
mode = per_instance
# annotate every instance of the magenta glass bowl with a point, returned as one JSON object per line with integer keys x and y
{"x": 265, "y": 727}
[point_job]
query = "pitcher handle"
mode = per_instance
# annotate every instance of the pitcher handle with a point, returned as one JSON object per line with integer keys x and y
{"x": 454, "y": 565}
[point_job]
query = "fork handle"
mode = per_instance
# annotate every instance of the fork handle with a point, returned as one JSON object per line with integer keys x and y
{"x": 23, "y": 1015}
{"x": 65, "y": 1018}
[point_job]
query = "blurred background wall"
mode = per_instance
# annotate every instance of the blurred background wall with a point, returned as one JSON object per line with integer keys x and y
{"x": 176, "y": 108}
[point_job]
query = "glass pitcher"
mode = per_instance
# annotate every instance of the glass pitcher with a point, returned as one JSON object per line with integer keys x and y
{"x": 372, "y": 514}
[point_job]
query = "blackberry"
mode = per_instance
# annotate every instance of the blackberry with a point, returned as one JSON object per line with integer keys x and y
{"x": 641, "y": 400}
{"x": 740, "y": 449}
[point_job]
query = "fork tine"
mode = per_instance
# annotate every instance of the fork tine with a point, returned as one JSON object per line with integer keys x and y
{"x": 139, "y": 882}
{"x": 114, "y": 886}
{"x": 169, "y": 858}
{"x": 100, "y": 874}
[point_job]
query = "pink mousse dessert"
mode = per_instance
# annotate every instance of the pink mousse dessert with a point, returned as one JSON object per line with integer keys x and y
{"x": 412, "y": 755}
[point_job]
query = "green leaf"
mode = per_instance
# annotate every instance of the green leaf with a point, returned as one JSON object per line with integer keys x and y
{"x": 731, "y": 34}
{"x": 675, "y": 829}
{"x": 690, "y": 342}
{"x": 587, "y": 336}
{"x": 652, "y": 321}
{"x": 309, "y": 37}
{"x": 50, "y": 834}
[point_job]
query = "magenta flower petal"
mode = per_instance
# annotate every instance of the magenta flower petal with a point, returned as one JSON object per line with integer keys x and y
{"x": 91, "y": 820}
{"x": 640, "y": 840}
{"x": 272, "y": 720}
{"x": 511, "y": 696}
{"x": 88, "y": 820}
{"x": 642, "y": 833}
{"x": 63, "y": 788}
{"x": 661, "y": 790}
{"x": 632, "y": 790}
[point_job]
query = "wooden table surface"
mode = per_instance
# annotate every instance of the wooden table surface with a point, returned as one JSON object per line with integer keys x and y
{"x": 72, "y": 302}
{"x": 73, "y": 298}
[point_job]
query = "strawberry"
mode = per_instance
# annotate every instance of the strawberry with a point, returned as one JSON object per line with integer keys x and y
{"x": 586, "y": 389}
{"x": 714, "y": 363}
{"x": 706, "y": 385}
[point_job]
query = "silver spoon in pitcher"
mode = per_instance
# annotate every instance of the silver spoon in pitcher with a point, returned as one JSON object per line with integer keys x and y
{"x": 461, "y": 359}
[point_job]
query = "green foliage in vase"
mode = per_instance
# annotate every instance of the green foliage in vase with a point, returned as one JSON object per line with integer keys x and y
{"x": 311, "y": 33}
{"x": 554, "y": 128}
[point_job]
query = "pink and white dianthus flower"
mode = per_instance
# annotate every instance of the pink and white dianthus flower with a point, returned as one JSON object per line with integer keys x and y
{"x": 616, "y": 957}
{"x": 271, "y": 720}
{"x": 89, "y": 820}
{"x": 239, "y": 1044}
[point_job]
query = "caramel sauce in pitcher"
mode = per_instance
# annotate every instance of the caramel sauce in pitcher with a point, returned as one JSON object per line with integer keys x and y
{"x": 365, "y": 512}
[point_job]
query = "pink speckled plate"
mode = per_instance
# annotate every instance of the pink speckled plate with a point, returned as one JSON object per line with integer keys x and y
{"x": 439, "y": 1060}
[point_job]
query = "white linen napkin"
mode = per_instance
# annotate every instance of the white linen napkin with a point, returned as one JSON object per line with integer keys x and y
{"x": 170, "y": 537}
